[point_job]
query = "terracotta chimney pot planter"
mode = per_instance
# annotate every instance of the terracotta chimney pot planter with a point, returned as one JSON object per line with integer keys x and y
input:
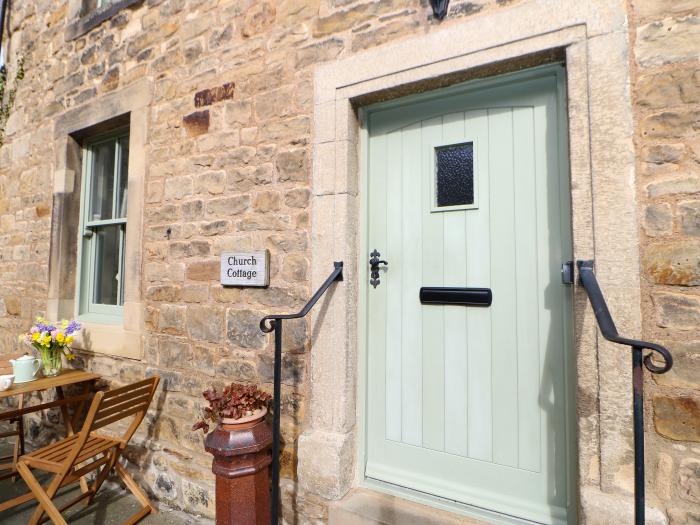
{"x": 241, "y": 464}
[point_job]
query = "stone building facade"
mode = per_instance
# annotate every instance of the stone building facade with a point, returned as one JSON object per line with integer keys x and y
{"x": 666, "y": 94}
{"x": 244, "y": 134}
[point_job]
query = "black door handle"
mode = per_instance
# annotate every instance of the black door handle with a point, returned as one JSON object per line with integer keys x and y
{"x": 374, "y": 263}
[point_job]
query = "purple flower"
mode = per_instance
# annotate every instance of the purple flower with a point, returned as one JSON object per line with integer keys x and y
{"x": 72, "y": 327}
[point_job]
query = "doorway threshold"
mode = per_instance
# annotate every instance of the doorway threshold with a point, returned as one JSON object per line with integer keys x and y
{"x": 369, "y": 507}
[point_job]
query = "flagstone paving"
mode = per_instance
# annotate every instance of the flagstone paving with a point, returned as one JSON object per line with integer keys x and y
{"x": 111, "y": 506}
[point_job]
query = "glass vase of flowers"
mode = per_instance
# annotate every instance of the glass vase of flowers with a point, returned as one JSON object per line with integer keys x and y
{"x": 52, "y": 341}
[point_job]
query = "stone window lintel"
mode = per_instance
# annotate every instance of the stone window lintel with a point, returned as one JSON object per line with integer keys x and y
{"x": 80, "y": 22}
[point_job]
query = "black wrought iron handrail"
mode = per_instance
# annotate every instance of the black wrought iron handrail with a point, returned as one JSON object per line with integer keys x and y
{"x": 268, "y": 324}
{"x": 609, "y": 331}
{"x": 336, "y": 275}
{"x": 607, "y": 325}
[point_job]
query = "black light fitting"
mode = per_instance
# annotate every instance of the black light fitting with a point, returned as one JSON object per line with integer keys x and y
{"x": 439, "y": 8}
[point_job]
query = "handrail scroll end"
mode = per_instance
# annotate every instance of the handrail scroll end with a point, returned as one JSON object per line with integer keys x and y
{"x": 267, "y": 324}
{"x": 665, "y": 355}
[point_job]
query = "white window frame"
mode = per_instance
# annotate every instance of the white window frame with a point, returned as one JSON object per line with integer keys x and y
{"x": 88, "y": 310}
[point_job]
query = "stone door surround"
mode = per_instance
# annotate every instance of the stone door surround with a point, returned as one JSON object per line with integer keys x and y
{"x": 592, "y": 38}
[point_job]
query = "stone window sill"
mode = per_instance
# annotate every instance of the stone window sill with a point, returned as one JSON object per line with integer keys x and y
{"x": 91, "y": 20}
{"x": 109, "y": 339}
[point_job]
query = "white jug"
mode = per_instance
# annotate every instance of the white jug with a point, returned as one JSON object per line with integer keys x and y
{"x": 26, "y": 368}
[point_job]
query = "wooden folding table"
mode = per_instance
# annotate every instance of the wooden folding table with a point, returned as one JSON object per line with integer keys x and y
{"x": 66, "y": 378}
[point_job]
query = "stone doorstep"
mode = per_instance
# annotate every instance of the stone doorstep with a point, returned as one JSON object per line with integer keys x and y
{"x": 368, "y": 507}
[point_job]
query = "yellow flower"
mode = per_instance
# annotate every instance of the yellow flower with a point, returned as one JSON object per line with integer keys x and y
{"x": 35, "y": 336}
{"x": 70, "y": 357}
{"x": 64, "y": 324}
{"x": 60, "y": 337}
{"x": 69, "y": 339}
{"x": 46, "y": 341}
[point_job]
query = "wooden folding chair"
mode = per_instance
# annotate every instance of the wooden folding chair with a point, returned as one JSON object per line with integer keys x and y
{"x": 17, "y": 432}
{"x": 75, "y": 456}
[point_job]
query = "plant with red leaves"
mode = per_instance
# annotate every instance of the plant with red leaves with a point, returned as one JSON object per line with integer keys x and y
{"x": 233, "y": 402}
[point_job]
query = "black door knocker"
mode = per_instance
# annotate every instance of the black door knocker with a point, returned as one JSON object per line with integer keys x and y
{"x": 374, "y": 263}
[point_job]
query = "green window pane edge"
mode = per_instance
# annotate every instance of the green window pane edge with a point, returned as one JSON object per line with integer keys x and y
{"x": 86, "y": 310}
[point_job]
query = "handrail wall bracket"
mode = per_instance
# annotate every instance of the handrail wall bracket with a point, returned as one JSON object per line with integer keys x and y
{"x": 607, "y": 327}
{"x": 268, "y": 324}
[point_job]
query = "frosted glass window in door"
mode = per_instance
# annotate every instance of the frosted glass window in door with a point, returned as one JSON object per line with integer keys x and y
{"x": 454, "y": 175}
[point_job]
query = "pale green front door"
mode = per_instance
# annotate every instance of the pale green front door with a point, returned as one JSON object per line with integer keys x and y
{"x": 471, "y": 404}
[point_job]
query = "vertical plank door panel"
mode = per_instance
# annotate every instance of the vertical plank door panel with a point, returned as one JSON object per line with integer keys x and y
{"x": 479, "y": 275}
{"x": 412, "y": 240}
{"x": 392, "y": 279}
{"x": 455, "y": 317}
{"x": 503, "y": 310}
{"x": 432, "y": 275}
{"x": 527, "y": 290}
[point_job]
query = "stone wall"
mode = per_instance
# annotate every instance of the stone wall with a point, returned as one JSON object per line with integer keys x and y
{"x": 228, "y": 167}
{"x": 666, "y": 88}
